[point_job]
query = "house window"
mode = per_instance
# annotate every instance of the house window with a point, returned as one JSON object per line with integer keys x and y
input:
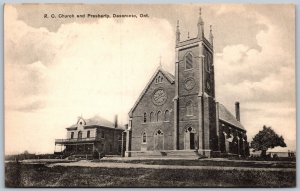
{"x": 167, "y": 115}
{"x": 188, "y": 59}
{"x": 79, "y": 134}
{"x": 145, "y": 117}
{"x": 102, "y": 134}
{"x": 158, "y": 116}
{"x": 144, "y": 137}
{"x": 88, "y": 134}
{"x": 72, "y": 135}
{"x": 151, "y": 116}
{"x": 189, "y": 108}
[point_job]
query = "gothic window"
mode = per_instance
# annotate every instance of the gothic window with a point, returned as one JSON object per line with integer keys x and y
{"x": 72, "y": 135}
{"x": 207, "y": 62}
{"x": 151, "y": 116}
{"x": 145, "y": 117}
{"x": 158, "y": 116}
{"x": 144, "y": 137}
{"x": 189, "y": 108}
{"x": 159, "y": 79}
{"x": 188, "y": 60}
{"x": 88, "y": 134}
{"x": 167, "y": 115}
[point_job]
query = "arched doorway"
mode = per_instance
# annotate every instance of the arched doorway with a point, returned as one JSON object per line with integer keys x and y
{"x": 158, "y": 140}
{"x": 190, "y": 139}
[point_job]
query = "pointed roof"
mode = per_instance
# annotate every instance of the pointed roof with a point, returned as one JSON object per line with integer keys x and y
{"x": 94, "y": 121}
{"x": 99, "y": 121}
{"x": 226, "y": 116}
{"x": 168, "y": 76}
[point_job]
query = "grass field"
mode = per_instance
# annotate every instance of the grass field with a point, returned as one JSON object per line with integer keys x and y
{"x": 39, "y": 175}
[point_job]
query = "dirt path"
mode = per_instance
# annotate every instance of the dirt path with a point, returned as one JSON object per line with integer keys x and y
{"x": 148, "y": 166}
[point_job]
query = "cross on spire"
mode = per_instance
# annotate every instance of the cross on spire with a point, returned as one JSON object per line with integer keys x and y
{"x": 160, "y": 61}
{"x": 211, "y": 36}
{"x": 200, "y": 25}
{"x": 177, "y": 33}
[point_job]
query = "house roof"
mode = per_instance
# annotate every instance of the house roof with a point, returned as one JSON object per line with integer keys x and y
{"x": 94, "y": 121}
{"x": 169, "y": 77}
{"x": 226, "y": 116}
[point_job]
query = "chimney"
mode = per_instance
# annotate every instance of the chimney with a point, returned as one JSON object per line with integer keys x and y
{"x": 237, "y": 111}
{"x": 116, "y": 121}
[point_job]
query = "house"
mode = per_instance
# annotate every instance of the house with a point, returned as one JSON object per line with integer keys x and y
{"x": 88, "y": 136}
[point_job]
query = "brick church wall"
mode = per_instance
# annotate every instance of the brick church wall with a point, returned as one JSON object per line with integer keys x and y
{"x": 147, "y": 106}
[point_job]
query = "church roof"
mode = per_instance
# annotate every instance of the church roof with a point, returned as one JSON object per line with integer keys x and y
{"x": 94, "y": 121}
{"x": 169, "y": 77}
{"x": 226, "y": 116}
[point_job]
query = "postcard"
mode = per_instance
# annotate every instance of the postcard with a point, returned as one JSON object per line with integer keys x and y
{"x": 149, "y": 95}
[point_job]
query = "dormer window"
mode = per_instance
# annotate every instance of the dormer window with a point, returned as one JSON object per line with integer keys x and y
{"x": 188, "y": 60}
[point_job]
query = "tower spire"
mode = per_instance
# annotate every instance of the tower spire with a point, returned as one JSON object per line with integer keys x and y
{"x": 177, "y": 33}
{"x": 211, "y": 36}
{"x": 200, "y": 25}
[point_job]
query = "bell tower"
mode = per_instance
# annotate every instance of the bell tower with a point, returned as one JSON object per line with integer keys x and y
{"x": 194, "y": 101}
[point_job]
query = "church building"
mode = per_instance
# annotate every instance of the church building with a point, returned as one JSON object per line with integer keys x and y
{"x": 178, "y": 116}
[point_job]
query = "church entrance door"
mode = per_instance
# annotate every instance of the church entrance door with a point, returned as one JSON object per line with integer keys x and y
{"x": 158, "y": 140}
{"x": 190, "y": 138}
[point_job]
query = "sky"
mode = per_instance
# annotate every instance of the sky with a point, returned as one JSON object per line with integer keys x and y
{"x": 56, "y": 69}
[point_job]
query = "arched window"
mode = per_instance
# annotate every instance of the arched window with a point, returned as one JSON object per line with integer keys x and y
{"x": 207, "y": 61}
{"x": 79, "y": 134}
{"x": 151, "y": 116}
{"x": 72, "y": 135}
{"x": 144, "y": 137}
{"x": 158, "y": 117}
{"x": 145, "y": 117}
{"x": 167, "y": 115}
{"x": 88, "y": 134}
{"x": 189, "y": 108}
{"x": 188, "y": 60}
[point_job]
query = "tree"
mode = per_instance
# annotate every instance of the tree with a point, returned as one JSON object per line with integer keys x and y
{"x": 266, "y": 139}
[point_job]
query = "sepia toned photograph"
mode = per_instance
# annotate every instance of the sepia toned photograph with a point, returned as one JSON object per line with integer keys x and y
{"x": 149, "y": 95}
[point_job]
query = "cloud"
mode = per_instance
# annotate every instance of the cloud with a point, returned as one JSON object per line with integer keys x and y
{"x": 262, "y": 79}
{"x": 82, "y": 68}
{"x": 101, "y": 67}
{"x": 257, "y": 75}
